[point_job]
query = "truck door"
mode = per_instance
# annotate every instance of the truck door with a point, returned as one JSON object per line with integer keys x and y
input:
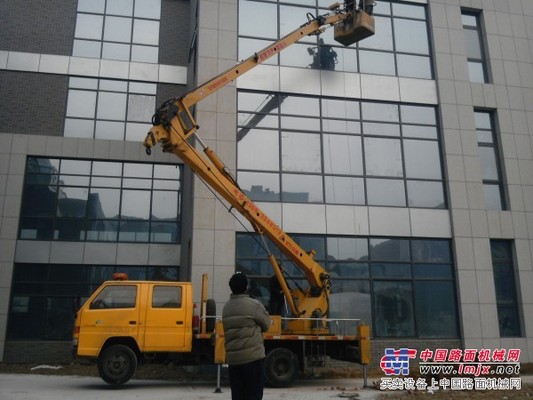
{"x": 168, "y": 322}
{"x": 113, "y": 312}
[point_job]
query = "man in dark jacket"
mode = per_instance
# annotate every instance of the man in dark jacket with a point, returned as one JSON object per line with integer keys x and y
{"x": 244, "y": 320}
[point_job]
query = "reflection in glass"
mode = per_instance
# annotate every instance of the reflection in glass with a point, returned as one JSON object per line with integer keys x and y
{"x": 102, "y": 230}
{"x": 109, "y": 130}
{"x": 436, "y": 315}
{"x": 300, "y": 123}
{"x": 347, "y": 248}
{"x": 117, "y": 29}
{"x": 92, "y": 6}
{"x": 89, "y": 26}
{"x": 111, "y": 106}
{"x": 431, "y": 251}
{"x": 414, "y": 66}
{"x": 344, "y": 190}
{"x": 419, "y": 131}
{"x": 120, "y": 7}
{"x": 300, "y": 152}
{"x": 390, "y": 249}
{"x": 103, "y": 203}
{"x": 411, "y": 36}
{"x": 433, "y": 271}
{"x": 116, "y": 51}
{"x": 425, "y": 194}
{"x": 148, "y": 54}
{"x": 165, "y": 205}
{"x": 381, "y": 112}
{"x": 346, "y": 109}
{"x": 249, "y": 11}
{"x": 81, "y": 104}
{"x": 476, "y": 72}
{"x": 259, "y": 149}
{"x": 86, "y": 48}
{"x": 381, "y": 41}
{"x": 390, "y": 270}
{"x": 373, "y": 62}
{"x": 73, "y": 202}
{"x": 260, "y": 186}
{"x": 140, "y": 107}
{"x": 376, "y": 129}
{"x": 342, "y": 155}
{"x": 383, "y": 157}
{"x": 148, "y": 9}
{"x": 489, "y": 163}
{"x": 301, "y": 188}
{"x": 393, "y": 309}
{"x": 422, "y": 159}
{"x": 146, "y": 32}
{"x": 384, "y": 192}
{"x": 493, "y": 196}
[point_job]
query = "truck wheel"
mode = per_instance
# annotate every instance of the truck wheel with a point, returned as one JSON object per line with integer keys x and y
{"x": 210, "y": 313}
{"x": 117, "y": 364}
{"x": 281, "y": 365}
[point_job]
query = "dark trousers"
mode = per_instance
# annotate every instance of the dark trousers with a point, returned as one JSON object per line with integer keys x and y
{"x": 247, "y": 381}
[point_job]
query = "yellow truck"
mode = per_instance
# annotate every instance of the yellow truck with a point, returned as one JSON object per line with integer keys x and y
{"x": 127, "y": 322}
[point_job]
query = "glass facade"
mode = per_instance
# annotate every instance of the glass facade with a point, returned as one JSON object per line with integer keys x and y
{"x": 109, "y": 109}
{"x": 490, "y": 160}
{"x": 327, "y": 150}
{"x": 126, "y": 30}
{"x": 506, "y": 289}
{"x": 403, "y": 287}
{"x": 45, "y": 297}
{"x": 401, "y": 48}
{"x": 83, "y": 200}
{"x": 475, "y": 51}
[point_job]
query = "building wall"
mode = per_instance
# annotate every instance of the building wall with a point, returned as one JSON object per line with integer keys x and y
{"x": 467, "y": 222}
{"x": 34, "y": 71}
{"x": 35, "y": 67}
{"x": 509, "y": 42}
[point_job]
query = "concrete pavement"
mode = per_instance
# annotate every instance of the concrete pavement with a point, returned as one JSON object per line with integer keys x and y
{"x": 43, "y": 387}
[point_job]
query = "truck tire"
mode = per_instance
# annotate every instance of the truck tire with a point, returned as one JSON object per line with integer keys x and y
{"x": 117, "y": 364}
{"x": 281, "y": 366}
{"x": 210, "y": 313}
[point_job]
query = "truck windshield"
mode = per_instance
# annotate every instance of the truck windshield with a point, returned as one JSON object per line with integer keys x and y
{"x": 115, "y": 297}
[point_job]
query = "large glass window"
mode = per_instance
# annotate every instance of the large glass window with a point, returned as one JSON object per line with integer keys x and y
{"x": 505, "y": 286}
{"x": 475, "y": 51}
{"x": 45, "y": 297}
{"x": 82, "y": 200}
{"x": 400, "y": 49}
{"x": 338, "y": 151}
{"x": 126, "y": 30}
{"x": 490, "y": 160}
{"x": 402, "y": 287}
{"x": 108, "y": 109}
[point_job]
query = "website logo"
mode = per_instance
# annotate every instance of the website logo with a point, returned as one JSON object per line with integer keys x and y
{"x": 396, "y": 362}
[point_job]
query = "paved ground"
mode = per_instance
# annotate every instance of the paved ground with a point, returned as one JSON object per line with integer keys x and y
{"x": 43, "y": 387}
{"x": 68, "y": 387}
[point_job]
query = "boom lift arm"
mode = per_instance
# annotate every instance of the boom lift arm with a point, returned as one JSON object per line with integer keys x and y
{"x": 174, "y": 125}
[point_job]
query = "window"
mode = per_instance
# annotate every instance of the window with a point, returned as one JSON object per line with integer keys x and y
{"x": 83, "y": 200}
{"x": 115, "y": 297}
{"x": 505, "y": 286}
{"x": 45, "y": 297}
{"x": 337, "y": 151}
{"x": 475, "y": 51}
{"x": 126, "y": 30}
{"x": 166, "y": 297}
{"x": 402, "y": 287}
{"x": 490, "y": 161}
{"x": 401, "y": 48}
{"x": 107, "y": 109}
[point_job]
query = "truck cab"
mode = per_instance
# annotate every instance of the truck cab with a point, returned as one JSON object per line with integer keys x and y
{"x": 124, "y": 320}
